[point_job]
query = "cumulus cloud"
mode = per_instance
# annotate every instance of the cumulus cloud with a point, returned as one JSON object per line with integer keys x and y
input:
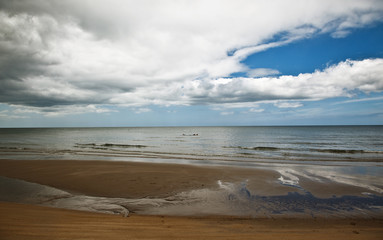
{"x": 338, "y": 80}
{"x": 56, "y": 54}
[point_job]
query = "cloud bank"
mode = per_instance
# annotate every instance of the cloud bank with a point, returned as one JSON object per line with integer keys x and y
{"x": 56, "y": 54}
{"x": 339, "y": 80}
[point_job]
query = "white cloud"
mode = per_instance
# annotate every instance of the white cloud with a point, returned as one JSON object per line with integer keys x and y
{"x": 338, "y": 80}
{"x": 335, "y": 81}
{"x": 288, "y": 104}
{"x": 221, "y": 106}
{"x": 353, "y": 21}
{"x": 17, "y": 111}
{"x": 262, "y": 72}
{"x": 65, "y": 53}
{"x": 361, "y": 100}
{"x": 6, "y": 114}
{"x": 254, "y": 110}
{"x": 77, "y": 109}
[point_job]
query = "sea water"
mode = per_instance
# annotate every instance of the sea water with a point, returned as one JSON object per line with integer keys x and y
{"x": 243, "y": 146}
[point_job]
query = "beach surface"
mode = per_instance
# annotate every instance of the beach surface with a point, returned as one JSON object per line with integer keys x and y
{"x": 19, "y": 221}
{"x": 173, "y": 207}
{"x": 139, "y": 179}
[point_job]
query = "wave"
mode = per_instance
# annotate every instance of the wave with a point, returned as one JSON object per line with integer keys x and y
{"x": 339, "y": 151}
{"x": 345, "y": 151}
{"x": 320, "y": 150}
{"x": 108, "y": 145}
{"x": 258, "y": 148}
{"x": 11, "y": 148}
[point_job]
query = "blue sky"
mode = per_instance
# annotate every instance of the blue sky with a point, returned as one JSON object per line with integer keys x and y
{"x": 305, "y": 56}
{"x": 201, "y": 64}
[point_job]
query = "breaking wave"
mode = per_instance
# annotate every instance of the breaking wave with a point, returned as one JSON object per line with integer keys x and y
{"x": 320, "y": 150}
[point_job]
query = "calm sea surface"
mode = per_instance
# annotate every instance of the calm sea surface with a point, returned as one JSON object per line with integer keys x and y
{"x": 242, "y": 146}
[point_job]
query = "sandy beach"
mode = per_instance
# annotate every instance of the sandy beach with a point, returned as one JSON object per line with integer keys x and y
{"x": 132, "y": 180}
{"x": 18, "y": 221}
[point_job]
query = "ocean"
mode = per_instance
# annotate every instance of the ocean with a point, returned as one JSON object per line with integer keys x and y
{"x": 239, "y": 146}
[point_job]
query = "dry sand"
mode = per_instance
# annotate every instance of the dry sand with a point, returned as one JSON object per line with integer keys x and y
{"x": 18, "y": 221}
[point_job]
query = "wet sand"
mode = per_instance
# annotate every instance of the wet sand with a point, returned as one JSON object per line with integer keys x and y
{"x": 19, "y": 221}
{"x": 135, "y": 180}
{"x": 141, "y": 180}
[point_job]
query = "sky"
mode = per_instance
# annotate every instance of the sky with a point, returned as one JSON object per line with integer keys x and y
{"x": 190, "y": 63}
